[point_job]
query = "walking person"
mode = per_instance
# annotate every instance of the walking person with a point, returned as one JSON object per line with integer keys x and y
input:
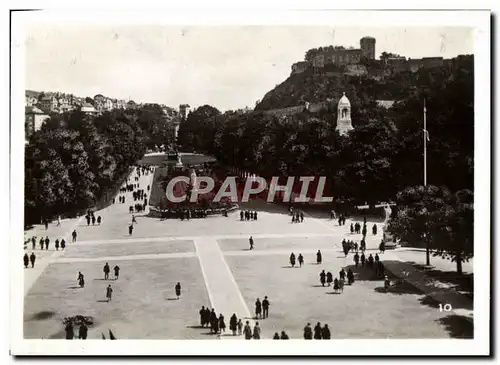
{"x": 374, "y": 229}
{"x": 317, "y": 331}
{"x": 233, "y": 324}
{"x": 33, "y": 242}
{"x": 336, "y": 285}
{"x": 292, "y": 259}
{"x": 109, "y": 293}
{"x": 69, "y": 331}
{"x": 222, "y": 324}
{"x": 63, "y": 244}
{"x": 80, "y": 280}
{"x": 74, "y": 235}
{"x": 381, "y": 247}
{"x": 130, "y": 229}
{"x": 99, "y": 220}
{"x": 256, "y": 331}
{"x": 308, "y": 333}
{"x": 240, "y": 327}
{"x": 329, "y": 278}
{"x": 363, "y": 259}
{"x": 32, "y": 259}
{"x": 248, "y": 331}
{"x": 301, "y": 260}
{"x": 116, "y": 269}
{"x": 105, "y": 269}
{"x": 41, "y": 243}
{"x": 325, "y": 333}
{"x": 322, "y": 277}
{"x": 258, "y": 308}
{"x": 47, "y": 241}
{"x": 356, "y": 259}
{"x": 265, "y": 307}
{"x": 250, "y": 240}
{"x": 56, "y": 243}
{"x": 178, "y": 290}
{"x": 319, "y": 257}
{"x": 26, "y": 260}
{"x": 82, "y": 331}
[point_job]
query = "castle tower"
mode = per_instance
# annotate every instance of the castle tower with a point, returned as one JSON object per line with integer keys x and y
{"x": 367, "y": 45}
{"x": 184, "y": 111}
{"x": 344, "y": 123}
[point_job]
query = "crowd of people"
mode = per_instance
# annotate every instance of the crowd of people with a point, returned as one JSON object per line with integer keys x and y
{"x": 297, "y": 215}
{"x": 248, "y": 215}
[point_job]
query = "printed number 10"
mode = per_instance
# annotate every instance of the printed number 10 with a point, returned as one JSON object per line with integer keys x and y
{"x": 445, "y": 308}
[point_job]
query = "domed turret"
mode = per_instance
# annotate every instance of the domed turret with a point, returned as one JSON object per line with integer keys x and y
{"x": 344, "y": 123}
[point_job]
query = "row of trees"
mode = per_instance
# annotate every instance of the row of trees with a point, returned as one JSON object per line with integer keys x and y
{"x": 381, "y": 160}
{"x": 76, "y": 158}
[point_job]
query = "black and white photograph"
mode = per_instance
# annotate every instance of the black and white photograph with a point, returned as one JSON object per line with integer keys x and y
{"x": 203, "y": 185}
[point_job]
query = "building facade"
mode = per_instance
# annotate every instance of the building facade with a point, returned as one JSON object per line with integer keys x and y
{"x": 367, "y": 45}
{"x": 34, "y": 119}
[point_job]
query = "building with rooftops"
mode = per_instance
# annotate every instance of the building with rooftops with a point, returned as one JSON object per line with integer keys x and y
{"x": 34, "y": 119}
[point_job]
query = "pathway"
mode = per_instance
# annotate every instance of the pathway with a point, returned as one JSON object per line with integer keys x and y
{"x": 223, "y": 291}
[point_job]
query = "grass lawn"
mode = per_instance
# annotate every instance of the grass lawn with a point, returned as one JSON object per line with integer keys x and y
{"x": 143, "y": 305}
{"x": 362, "y": 311}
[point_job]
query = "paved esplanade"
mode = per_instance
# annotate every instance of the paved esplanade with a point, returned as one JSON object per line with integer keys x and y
{"x": 211, "y": 260}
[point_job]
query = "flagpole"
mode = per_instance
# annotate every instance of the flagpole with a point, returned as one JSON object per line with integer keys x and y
{"x": 425, "y": 145}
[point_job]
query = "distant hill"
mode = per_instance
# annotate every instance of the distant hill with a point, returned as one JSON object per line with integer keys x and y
{"x": 315, "y": 86}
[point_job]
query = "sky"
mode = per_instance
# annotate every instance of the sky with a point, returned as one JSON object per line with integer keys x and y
{"x": 226, "y": 67}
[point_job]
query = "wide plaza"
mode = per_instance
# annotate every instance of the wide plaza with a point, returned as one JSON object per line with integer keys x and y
{"x": 211, "y": 260}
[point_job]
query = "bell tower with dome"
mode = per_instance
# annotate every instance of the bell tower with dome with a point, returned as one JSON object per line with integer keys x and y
{"x": 344, "y": 123}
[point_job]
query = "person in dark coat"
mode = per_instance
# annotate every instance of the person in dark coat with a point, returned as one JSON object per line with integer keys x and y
{"x": 109, "y": 292}
{"x": 329, "y": 278}
{"x": 93, "y": 219}
{"x": 47, "y": 241}
{"x": 350, "y": 277}
{"x": 88, "y": 219}
{"x": 32, "y": 259}
{"x": 258, "y": 308}
{"x": 325, "y": 333}
{"x": 178, "y": 290}
{"x": 26, "y": 260}
{"x": 250, "y": 240}
{"x": 56, "y": 243}
{"x": 74, "y": 235}
{"x": 352, "y": 228}
{"x": 342, "y": 274}
{"x": 213, "y": 322}
{"x": 130, "y": 229}
{"x": 247, "y": 330}
{"x": 336, "y": 285}
{"x": 63, "y": 244}
{"x": 363, "y": 259}
{"x": 81, "y": 280}
{"x": 374, "y": 229}
{"x": 207, "y": 316}
{"x": 308, "y": 333}
{"x": 319, "y": 257}
{"x": 222, "y": 324}
{"x": 33, "y": 242}
{"x": 117, "y": 271}
{"x": 202, "y": 316}
{"x": 99, "y": 220}
{"x": 41, "y": 243}
{"x": 82, "y": 332}
{"x": 292, "y": 259}
{"x": 317, "y": 331}
{"x": 276, "y": 336}
{"x": 284, "y": 336}
{"x": 242, "y": 215}
{"x": 322, "y": 278}
{"x": 301, "y": 260}
{"x": 356, "y": 259}
{"x": 265, "y": 307}
{"x": 233, "y": 323}
{"x": 69, "y": 331}
{"x": 105, "y": 269}
{"x": 381, "y": 247}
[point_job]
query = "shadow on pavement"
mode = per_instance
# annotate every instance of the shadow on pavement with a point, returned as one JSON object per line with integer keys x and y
{"x": 458, "y": 326}
{"x": 40, "y": 316}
